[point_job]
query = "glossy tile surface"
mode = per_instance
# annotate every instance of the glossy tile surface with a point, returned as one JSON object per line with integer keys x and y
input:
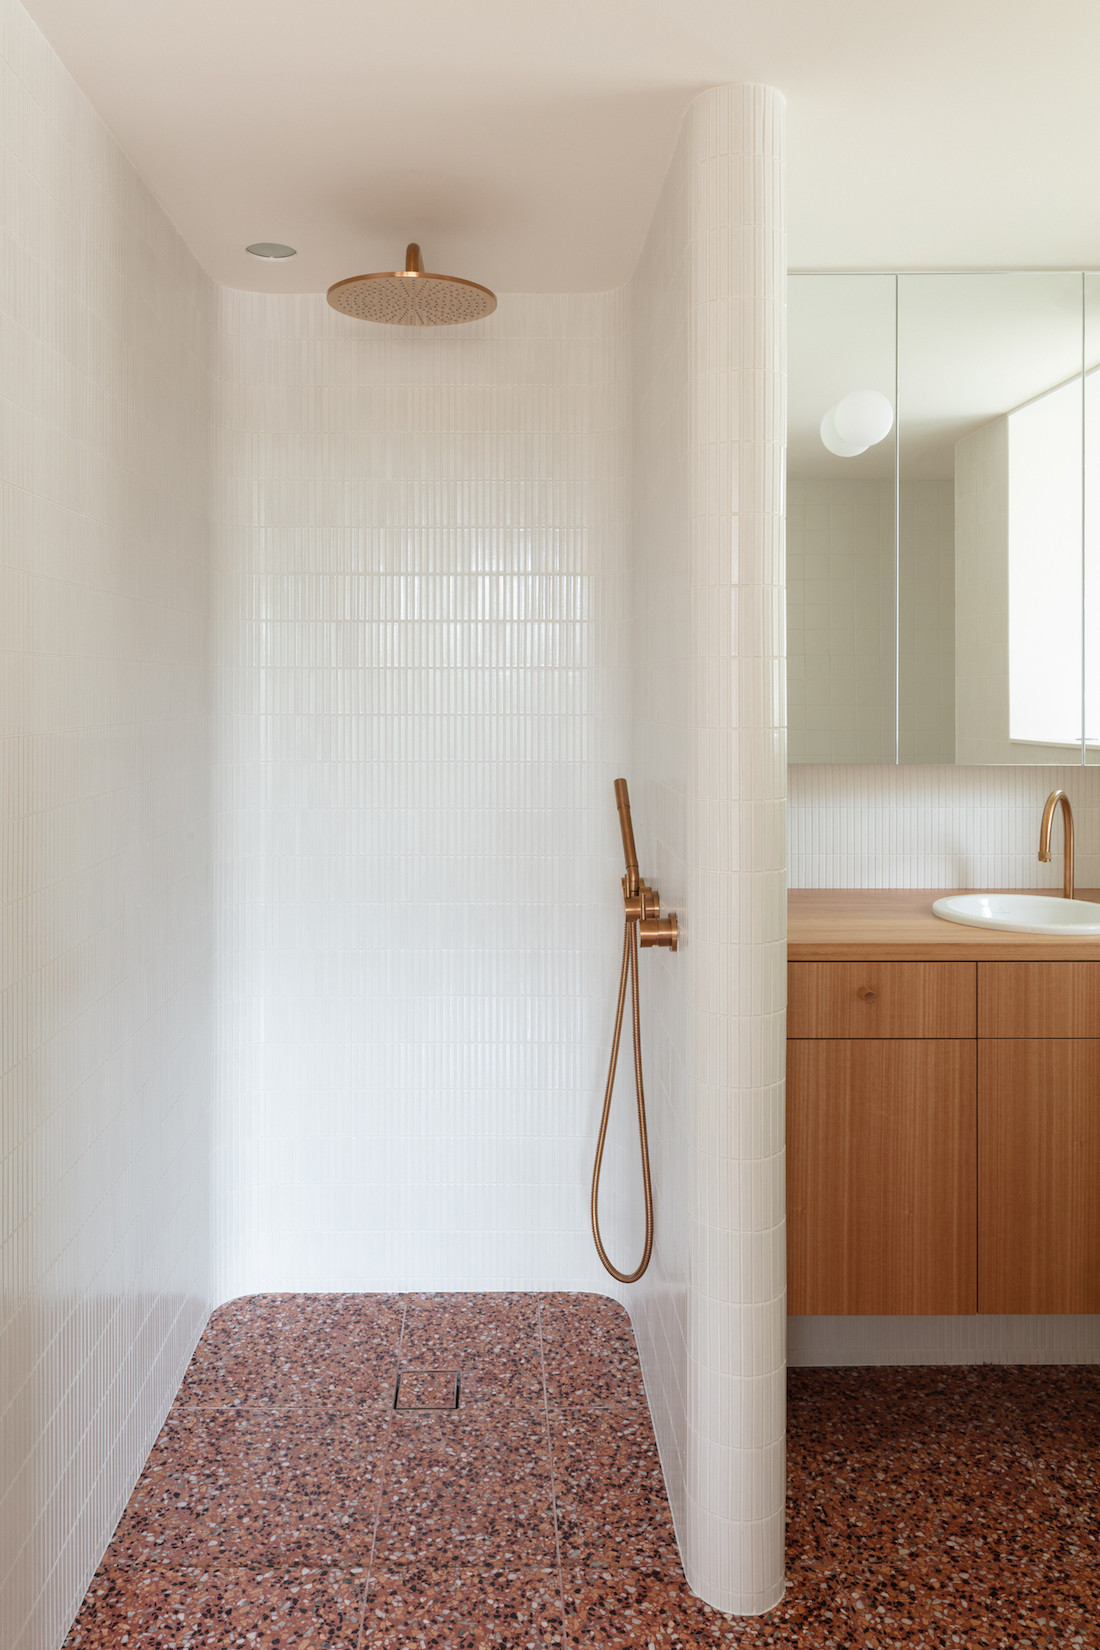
{"x": 708, "y": 783}
{"x": 927, "y": 1507}
{"x": 107, "y": 922}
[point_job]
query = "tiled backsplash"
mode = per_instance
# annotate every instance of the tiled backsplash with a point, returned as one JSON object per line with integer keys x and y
{"x": 935, "y": 827}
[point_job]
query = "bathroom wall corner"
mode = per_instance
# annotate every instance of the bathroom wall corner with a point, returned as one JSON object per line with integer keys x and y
{"x": 105, "y": 1080}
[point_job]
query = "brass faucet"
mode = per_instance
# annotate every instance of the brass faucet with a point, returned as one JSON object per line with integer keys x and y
{"x": 1044, "y": 836}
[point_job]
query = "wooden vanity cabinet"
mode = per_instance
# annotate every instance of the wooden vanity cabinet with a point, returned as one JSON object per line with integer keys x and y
{"x": 1039, "y": 1137}
{"x": 881, "y": 1138}
{"x": 943, "y": 1137}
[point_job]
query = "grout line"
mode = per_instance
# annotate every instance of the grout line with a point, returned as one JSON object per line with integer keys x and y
{"x": 361, "y": 1641}
{"x": 553, "y": 1478}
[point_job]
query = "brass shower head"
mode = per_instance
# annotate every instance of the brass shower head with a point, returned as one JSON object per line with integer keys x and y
{"x": 412, "y": 297}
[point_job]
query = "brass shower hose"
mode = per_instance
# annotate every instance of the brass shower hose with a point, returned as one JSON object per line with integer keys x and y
{"x": 644, "y": 920}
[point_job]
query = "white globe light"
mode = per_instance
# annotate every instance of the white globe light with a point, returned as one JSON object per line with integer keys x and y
{"x": 835, "y": 443}
{"x": 863, "y": 418}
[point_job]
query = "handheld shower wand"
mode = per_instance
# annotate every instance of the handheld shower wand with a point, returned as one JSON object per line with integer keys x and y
{"x": 630, "y": 853}
{"x": 644, "y": 925}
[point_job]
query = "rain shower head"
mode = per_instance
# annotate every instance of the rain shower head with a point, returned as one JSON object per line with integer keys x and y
{"x": 412, "y": 297}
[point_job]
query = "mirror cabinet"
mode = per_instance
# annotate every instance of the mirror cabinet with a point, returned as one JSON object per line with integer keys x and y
{"x": 943, "y": 518}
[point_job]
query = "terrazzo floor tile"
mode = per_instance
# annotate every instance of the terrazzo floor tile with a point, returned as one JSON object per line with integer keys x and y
{"x": 928, "y": 1509}
{"x": 460, "y": 1609}
{"x": 494, "y": 1345}
{"x": 251, "y": 1610}
{"x": 427, "y": 1389}
{"x": 489, "y": 1382}
{"x": 502, "y": 1330}
{"x": 461, "y": 1491}
{"x": 266, "y": 1452}
{"x": 654, "y": 1609}
{"x": 238, "y": 1533}
{"x": 297, "y": 1349}
{"x": 974, "y": 1608}
{"x": 866, "y": 1506}
{"x": 611, "y": 1499}
{"x": 599, "y": 1366}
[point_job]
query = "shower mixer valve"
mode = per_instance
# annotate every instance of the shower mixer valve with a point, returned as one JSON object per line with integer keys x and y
{"x": 644, "y": 908}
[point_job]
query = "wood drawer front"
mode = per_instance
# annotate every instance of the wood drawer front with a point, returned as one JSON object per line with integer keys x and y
{"x": 1039, "y": 1174}
{"x": 881, "y": 999}
{"x": 881, "y": 1177}
{"x": 1039, "y": 999}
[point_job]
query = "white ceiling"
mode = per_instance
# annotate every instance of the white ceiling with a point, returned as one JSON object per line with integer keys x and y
{"x": 523, "y": 142}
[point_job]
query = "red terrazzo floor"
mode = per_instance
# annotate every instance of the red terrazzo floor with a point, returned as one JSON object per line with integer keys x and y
{"x": 288, "y": 1503}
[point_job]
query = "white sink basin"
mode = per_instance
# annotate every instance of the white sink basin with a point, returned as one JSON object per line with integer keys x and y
{"x": 1026, "y": 913}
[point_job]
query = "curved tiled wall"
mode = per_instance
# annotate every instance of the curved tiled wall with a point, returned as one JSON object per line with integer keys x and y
{"x": 709, "y": 742}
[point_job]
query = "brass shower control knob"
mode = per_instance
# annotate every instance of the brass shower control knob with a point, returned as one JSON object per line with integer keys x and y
{"x": 659, "y": 931}
{"x": 645, "y": 903}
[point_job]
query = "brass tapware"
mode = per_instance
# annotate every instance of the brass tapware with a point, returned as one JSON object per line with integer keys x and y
{"x": 412, "y": 297}
{"x": 1049, "y": 810}
{"x": 632, "y": 881}
{"x": 643, "y": 925}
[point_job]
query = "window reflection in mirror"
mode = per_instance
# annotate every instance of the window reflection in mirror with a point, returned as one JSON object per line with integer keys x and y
{"x": 989, "y": 370}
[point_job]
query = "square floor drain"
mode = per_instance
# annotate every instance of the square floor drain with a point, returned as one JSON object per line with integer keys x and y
{"x": 426, "y": 1389}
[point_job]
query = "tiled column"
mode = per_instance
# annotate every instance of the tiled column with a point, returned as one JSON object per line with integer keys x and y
{"x": 736, "y": 874}
{"x": 711, "y": 758}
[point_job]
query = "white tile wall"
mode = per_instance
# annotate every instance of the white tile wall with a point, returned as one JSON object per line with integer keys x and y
{"x": 105, "y": 323}
{"x": 709, "y": 756}
{"x": 935, "y": 827}
{"x": 938, "y": 827}
{"x": 423, "y": 702}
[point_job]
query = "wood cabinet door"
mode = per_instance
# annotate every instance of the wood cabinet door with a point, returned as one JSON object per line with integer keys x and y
{"x": 1039, "y": 999}
{"x": 881, "y": 1176}
{"x": 1039, "y": 1175}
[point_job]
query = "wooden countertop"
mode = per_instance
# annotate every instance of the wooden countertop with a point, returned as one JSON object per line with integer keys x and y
{"x": 897, "y": 925}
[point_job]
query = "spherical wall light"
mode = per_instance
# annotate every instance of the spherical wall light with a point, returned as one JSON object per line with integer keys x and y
{"x": 835, "y": 442}
{"x": 863, "y": 418}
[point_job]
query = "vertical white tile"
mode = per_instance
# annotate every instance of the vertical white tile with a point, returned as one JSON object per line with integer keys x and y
{"x": 421, "y": 545}
{"x": 105, "y": 859}
{"x": 709, "y": 753}
{"x": 935, "y": 827}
